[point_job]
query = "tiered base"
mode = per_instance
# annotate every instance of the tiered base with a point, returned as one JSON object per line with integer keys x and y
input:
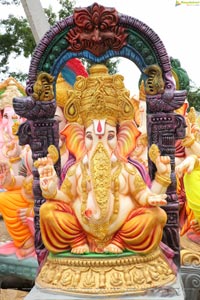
{"x": 92, "y": 275}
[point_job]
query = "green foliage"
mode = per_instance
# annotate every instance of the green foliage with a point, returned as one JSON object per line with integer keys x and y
{"x": 184, "y": 83}
{"x": 15, "y": 39}
{"x": 51, "y": 15}
{"x": 182, "y": 77}
{"x": 18, "y": 35}
{"x": 10, "y": 2}
{"x": 21, "y": 77}
{"x": 67, "y": 8}
{"x": 111, "y": 64}
{"x": 193, "y": 97}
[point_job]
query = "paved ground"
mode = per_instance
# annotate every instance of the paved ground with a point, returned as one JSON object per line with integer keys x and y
{"x": 12, "y": 288}
{"x": 12, "y": 295}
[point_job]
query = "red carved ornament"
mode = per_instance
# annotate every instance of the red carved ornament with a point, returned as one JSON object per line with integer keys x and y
{"x": 96, "y": 30}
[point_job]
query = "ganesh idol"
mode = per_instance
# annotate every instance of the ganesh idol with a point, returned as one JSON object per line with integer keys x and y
{"x": 103, "y": 204}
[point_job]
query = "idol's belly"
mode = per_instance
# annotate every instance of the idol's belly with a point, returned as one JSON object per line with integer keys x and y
{"x": 114, "y": 221}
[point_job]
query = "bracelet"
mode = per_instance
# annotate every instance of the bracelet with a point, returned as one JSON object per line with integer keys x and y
{"x": 14, "y": 159}
{"x": 163, "y": 180}
{"x": 188, "y": 141}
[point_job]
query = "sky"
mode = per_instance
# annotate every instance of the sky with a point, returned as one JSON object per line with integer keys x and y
{"x": 176, "y": 25}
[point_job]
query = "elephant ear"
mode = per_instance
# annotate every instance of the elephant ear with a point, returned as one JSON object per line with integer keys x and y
{"x": 74, "y": 139}
{"x": 126, "y": 139}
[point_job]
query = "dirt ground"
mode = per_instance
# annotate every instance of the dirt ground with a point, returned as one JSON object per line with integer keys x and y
{"x": 11, "y": 294}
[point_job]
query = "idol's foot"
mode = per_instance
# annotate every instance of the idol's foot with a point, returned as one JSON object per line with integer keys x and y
{"x": 80, "y": 249}
{"x": 111, "y": 248}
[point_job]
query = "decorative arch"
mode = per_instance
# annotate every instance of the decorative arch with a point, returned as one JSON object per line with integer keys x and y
{"x": 123, "y": 36}
{"x": 98, "y": 33}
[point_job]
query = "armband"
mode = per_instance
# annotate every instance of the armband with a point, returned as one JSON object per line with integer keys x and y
{"x": 14, "y": 159}
{"x": 163, "y": 180}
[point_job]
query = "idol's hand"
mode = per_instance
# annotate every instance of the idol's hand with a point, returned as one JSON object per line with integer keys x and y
{"x": 48, "y": 177}
{"x": 163, "y": 165}
{"x": 188, "y": 132}
{"x": 186, "y": 166}
{"x": 5, "y": 174}
{"x": 12, "y": 150}
{"x": 157, "y": 200}
{"x": 162, "y": 162}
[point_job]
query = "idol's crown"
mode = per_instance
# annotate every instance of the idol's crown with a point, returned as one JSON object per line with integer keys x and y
{"x": 99, "y": 96}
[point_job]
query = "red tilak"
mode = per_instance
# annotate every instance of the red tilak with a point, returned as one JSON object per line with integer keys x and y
{"x": 99, "y": 127}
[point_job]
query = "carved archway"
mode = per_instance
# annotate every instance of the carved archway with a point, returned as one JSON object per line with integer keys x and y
{"x": 98, "y": 33}
{"x": 122, "y": 36}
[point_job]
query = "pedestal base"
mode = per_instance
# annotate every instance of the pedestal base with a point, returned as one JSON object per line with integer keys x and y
{"x": 106, "y": 275}
{"x": 172, "y": 292}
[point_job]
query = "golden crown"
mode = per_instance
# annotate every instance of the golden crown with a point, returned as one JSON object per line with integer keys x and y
{"x": 99, "y": 96}
{"x": 61, "y": 90}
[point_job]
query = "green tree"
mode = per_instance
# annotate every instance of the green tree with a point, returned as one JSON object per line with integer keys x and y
{"x": 9, "y": 2}
{"x": 183, "y": 82}
{"x": 16, "y": 37}
{"x": 193, "y": 97}
{"x": 15, "y": 40}
{"x": 111, "y": 64}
